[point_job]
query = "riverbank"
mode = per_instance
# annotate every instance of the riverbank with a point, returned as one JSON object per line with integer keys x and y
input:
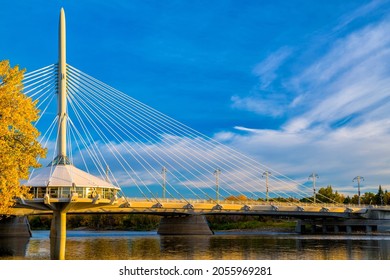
{"x": 149, "y": 223}
{"x": 250, "y": 224}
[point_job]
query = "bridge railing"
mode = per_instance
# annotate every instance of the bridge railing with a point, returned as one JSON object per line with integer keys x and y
{"x": 107, "y": 193}
{"x": 260, "y": 203}
{"x": 66, "y": 192}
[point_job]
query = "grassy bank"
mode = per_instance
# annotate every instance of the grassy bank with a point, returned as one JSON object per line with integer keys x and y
{"x": 221, "y": 223}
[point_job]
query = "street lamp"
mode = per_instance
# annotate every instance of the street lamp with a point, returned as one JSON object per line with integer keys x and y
{"x": 107, "y": 170}
{"x": 164, "y": 184}
{"x": 358, "y": 179}
{"x": 266, "y": 174}
{"x": 313, "y": 177}
{"x": 217, "y": 172}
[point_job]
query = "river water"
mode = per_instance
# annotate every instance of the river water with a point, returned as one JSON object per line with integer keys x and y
{"x": 123, "y": 245}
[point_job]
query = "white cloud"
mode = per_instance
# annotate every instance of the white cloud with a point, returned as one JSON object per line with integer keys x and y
{"x": 271, "y": 105}
{"x": 297, "y": 101}
{"x": 190, "y": 161}
{"x": 336, "y": 155}
{"x": 263, "y": 100}
{"x": 358, "y": 13}
{"x": 266, "y": 70}
{"x": 351, "y": 78}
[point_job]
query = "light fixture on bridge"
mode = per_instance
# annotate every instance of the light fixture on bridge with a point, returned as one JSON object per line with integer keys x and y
{"x": 266, "y": 174}
{"x": 313, "y": 176}
{"x": 358, "y": 179}
{"x": 217, "y": 172}
{"x": 164, "y": 183}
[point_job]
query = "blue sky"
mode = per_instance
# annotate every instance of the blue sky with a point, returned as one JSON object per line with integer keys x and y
{"x": 301, "y": 86}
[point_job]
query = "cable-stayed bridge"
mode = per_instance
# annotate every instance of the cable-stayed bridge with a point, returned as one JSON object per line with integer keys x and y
{"x": 165, "y": 166}
{"x": 88, "y": 124}
{"x": 110, "y": 153}
{"x": 130, "y": 145}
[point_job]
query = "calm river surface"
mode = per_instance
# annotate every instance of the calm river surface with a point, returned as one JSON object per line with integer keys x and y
{"x": 122, "y": 245}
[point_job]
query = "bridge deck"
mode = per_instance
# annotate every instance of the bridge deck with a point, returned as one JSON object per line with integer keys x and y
{"x": 189, "y": 207}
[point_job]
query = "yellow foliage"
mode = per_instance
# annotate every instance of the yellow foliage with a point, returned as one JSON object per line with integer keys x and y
{"x": 19, "y": 148}
{"x": 240, "y": 197}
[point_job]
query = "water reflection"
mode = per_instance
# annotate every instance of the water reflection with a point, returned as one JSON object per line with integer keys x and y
{"x": 85, "y": 245}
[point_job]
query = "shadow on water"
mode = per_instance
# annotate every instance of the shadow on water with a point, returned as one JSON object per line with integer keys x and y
{"x": 117, "y": 245}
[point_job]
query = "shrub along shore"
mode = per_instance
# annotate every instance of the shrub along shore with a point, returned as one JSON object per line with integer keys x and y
{"x": 139, "y": 222}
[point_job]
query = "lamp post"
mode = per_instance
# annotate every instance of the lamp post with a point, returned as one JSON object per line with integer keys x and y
{"x": 107, "y": 170}
{"x": 313, "y": 176}
{"x": 266, "y": 174}
{"x": 217, "y": 172}
{"x": 164, "y": 184}
{"x": 358, "y": 179}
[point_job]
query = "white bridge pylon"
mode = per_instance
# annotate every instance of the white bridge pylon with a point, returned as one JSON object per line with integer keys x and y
{"x": 119, "y": 143}
{"x": 60, "y": 179}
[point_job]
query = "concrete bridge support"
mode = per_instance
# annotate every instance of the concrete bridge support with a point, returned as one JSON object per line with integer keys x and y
{"x": 184, "y": 225}
{"x": 58, "y": 235}
{"x": 15, "y": 226}
{"x": 15, "y": 235}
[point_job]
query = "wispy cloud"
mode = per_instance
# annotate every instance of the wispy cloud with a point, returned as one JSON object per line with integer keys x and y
{"x": 263, "y": 100}
{"x": 271, "y": 105}
{"x": 337, "y": 155}
{"x": 266, "y": 70}
{"x": 358, "y": 13}
{"x": 351, "y": 78}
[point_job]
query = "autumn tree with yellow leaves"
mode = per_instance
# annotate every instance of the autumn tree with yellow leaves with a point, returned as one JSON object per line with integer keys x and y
{"x": 19, "y": 148}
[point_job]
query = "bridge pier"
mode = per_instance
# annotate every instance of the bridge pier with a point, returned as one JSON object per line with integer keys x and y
{"x": 300, "y": 227}
{"x": 15, "y": 235}
{"x": 184, "y": 225}
{"x": 14, "y": 226}
{"x": 58, "y": 235}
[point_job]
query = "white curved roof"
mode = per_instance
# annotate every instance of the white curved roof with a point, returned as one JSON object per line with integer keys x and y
{"x": 65, "y": 176}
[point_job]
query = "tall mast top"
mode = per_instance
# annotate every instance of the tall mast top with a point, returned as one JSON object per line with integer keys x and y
{"x": 62, "y": 100}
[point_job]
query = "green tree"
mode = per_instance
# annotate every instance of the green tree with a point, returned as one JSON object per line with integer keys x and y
{"x": 355, "y": 199}
{"x": 368, "y": 198}
{"x": 386, "y": 198}
{"x": 240, "y": 197}
{"x": 327, "y": 195}
{"x": 19, "y": 148}
{"x": 347, "y": 200}
{"x": 379, "y": 197}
